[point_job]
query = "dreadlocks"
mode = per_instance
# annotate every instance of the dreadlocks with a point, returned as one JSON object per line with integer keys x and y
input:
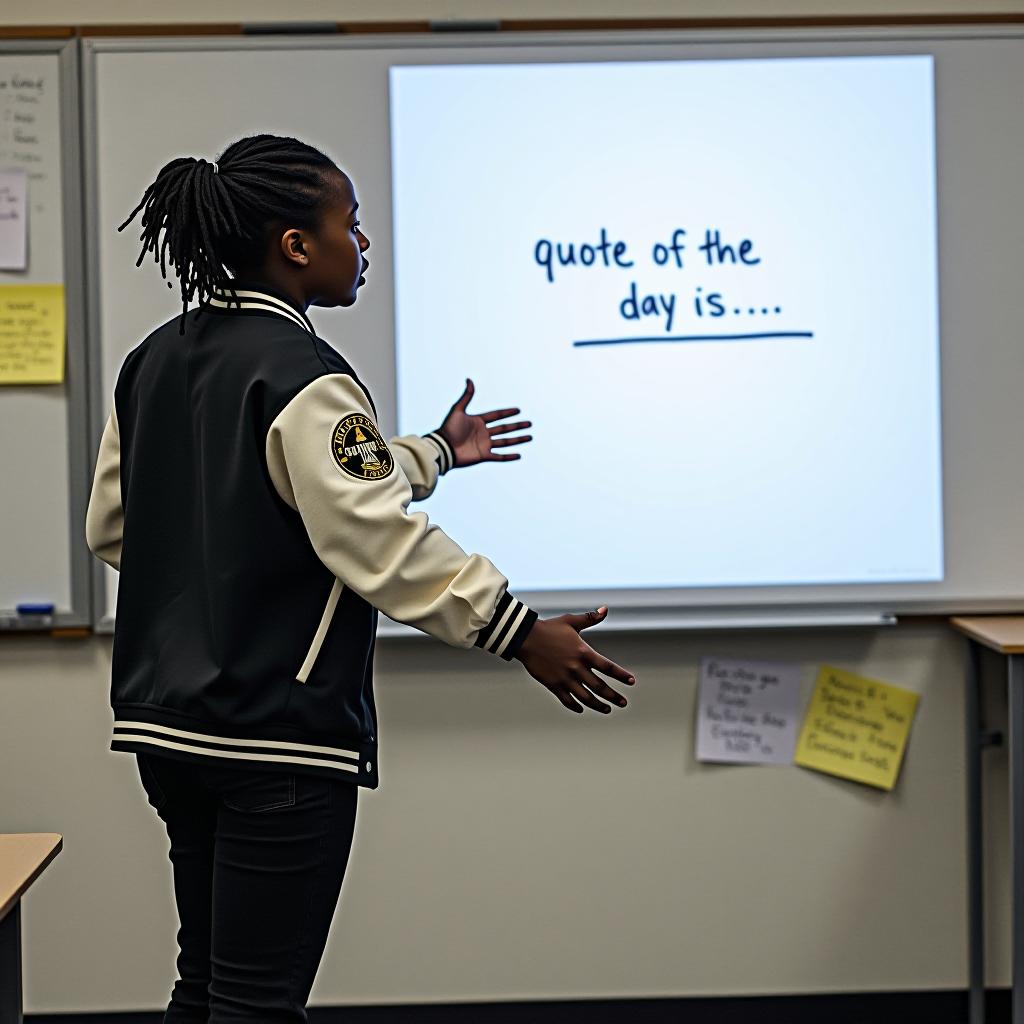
{"x": 215, "y": 216}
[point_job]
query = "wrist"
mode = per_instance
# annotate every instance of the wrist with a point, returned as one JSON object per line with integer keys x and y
{"x": 529, "y": 639}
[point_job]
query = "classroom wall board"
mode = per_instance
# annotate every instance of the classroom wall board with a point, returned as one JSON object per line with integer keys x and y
{"x": 46, "y": 441}
{"x": 755, "y": 289}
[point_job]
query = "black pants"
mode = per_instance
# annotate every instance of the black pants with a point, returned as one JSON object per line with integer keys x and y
{"x": 258, "y": 859}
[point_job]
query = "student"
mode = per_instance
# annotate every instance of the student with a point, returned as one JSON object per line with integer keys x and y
{"x": 259, "y": 519}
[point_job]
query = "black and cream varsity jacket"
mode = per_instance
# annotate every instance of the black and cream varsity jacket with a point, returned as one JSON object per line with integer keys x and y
{"x": 259, "y": 519}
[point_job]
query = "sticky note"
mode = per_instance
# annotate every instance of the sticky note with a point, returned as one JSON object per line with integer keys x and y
{"x": 749, "y": 711}
{"x": 13, "y": 220}
{"x": 856, "y": 728}
{"x": 31, "y": 334}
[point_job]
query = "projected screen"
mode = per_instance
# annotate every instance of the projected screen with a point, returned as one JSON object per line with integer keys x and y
{"x": 711, "y": 285}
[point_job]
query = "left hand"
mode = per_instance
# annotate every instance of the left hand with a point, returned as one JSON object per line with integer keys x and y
{"x": 473, "y": 439}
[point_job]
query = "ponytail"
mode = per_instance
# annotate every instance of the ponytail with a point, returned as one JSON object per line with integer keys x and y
{"x": 214, "y": 216}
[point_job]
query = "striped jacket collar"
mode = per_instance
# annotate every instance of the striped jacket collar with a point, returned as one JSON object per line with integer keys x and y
{"x": 241, "y": 296}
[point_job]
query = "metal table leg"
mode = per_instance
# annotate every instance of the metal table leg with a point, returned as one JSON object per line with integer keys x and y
{"x": 1015, "y": 681}
{"x": 10, "y": 967}
{"x": 975, "y": 867}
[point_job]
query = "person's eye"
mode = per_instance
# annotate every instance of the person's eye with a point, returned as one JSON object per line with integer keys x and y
{"x": 355, "y": 225}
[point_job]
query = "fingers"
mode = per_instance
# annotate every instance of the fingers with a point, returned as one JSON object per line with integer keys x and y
{"x": 499, "y": 414}
{"x": 585, "y": 697}
{"x": 601, "y": 689}
{"x": 507, "y": 428}
{"x": 586, "y": 619}
{"x": 466, "y": 396}
{"x": 565, "y": 697}
{"x": 608, "y": 668}
{"x": 587, "y": 689}
{"x": 504, "y": 442}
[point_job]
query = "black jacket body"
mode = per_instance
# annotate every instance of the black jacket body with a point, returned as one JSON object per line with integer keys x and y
{"x": 251, "y": 505}
{"x": 220, "y": 590}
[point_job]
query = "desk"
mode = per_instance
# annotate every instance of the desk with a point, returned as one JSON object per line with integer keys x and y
{"x": 1005, "y": 634}
{"x": 22, "y": 860}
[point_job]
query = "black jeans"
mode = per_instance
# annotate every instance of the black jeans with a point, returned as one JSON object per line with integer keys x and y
{"x": 258, "y": 859}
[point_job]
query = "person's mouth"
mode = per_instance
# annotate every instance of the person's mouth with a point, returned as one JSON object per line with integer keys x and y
{"x": 366, "y": 267}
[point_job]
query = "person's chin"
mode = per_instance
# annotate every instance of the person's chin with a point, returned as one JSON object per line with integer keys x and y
{"x": 330, "y": 303}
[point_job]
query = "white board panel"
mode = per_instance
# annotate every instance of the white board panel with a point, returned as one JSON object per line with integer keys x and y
{"x": 43, "y": 427}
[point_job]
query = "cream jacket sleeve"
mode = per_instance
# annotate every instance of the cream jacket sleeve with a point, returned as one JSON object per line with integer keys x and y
{"x": 423, "y": 460}
{"x": 104, "y": 519}
{"x": 328, "y": 461}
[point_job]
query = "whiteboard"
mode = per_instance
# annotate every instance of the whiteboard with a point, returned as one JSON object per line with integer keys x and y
{"x": 336, "y": 96}
{"x": 715, "y": 387}
{"x": 44, "y": 457}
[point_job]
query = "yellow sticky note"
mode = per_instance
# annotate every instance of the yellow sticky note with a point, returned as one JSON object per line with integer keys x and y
{"x": 31, "y": 333}
{"x": 856, "y": 728}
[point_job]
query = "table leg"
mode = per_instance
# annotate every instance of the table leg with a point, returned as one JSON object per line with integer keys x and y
{"x": 975, "y": 866}
{"x": 1015, "y": 681}
{"x": 10, "y": 967}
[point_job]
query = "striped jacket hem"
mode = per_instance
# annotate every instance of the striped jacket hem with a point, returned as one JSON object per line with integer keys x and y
{"x": 355, "y": 764}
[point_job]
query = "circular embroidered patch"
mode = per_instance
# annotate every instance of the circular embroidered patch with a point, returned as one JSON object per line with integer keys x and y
{"x": 359, "y": 449}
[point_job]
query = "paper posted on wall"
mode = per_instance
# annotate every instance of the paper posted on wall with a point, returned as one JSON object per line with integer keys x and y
{"x": 32, "y": 334}
{"x": 13, "y": 220}
{"x": 856, "y": 728}
{"x": 749, "y": 711}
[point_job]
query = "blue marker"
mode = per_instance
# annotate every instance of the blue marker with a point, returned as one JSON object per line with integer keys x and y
{"x": 34, "y": 609}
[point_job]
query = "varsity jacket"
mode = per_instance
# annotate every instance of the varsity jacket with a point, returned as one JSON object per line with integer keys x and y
{"x": 258, "y": 520}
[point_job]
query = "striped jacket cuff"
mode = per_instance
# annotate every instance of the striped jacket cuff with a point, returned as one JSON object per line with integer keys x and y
{"x": 445, "y": 454}
{"x": 507, "y": 630}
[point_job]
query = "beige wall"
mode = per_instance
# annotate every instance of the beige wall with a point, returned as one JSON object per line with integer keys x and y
{"x": 516, "y": 851}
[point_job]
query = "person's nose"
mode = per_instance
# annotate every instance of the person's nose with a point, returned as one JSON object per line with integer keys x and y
{"x": 364, "y": 242}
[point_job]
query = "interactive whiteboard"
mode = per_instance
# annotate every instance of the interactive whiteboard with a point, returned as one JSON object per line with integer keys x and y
{"x": 677, "y": 265}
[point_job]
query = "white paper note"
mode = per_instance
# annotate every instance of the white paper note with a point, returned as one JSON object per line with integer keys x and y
{"x": 13, "y": 220}
{"x": 748, "y": 712}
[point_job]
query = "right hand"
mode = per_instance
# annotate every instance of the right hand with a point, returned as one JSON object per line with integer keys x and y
{"x": 557, "y": 656}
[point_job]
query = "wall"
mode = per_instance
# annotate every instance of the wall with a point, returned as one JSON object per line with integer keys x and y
{"x": 514, "y": 850}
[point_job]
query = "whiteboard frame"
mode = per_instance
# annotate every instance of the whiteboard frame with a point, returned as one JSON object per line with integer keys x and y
{"x": 77, "y": 383}
{"x": 659, "y": 613}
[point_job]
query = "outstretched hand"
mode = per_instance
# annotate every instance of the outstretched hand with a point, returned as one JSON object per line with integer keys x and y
{"x": 472, "y": 437}
{"x": 555, "y": 654}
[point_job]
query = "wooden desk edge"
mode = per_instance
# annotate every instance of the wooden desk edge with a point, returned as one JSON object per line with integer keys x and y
{"x": 995, "y": 635}
{"x": 56, "y": 845}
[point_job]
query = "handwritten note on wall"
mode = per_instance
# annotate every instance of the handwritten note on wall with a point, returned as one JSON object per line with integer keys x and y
{"x": 30, "y": 144}
{"x": 13, "y": 220}
{"x": 26, "y": 103}
{"x": 31, "y": 334}
{"x": 749, "y": 711}
{"x": 856, "y": 728}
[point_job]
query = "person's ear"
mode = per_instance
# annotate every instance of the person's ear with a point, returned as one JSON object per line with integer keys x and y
{"x": 293, "y": 247}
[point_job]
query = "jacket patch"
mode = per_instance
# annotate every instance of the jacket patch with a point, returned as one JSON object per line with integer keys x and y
{"x": 359, "y": 450}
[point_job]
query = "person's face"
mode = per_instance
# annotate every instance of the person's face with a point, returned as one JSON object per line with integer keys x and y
{"x": 335, "y": 250}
